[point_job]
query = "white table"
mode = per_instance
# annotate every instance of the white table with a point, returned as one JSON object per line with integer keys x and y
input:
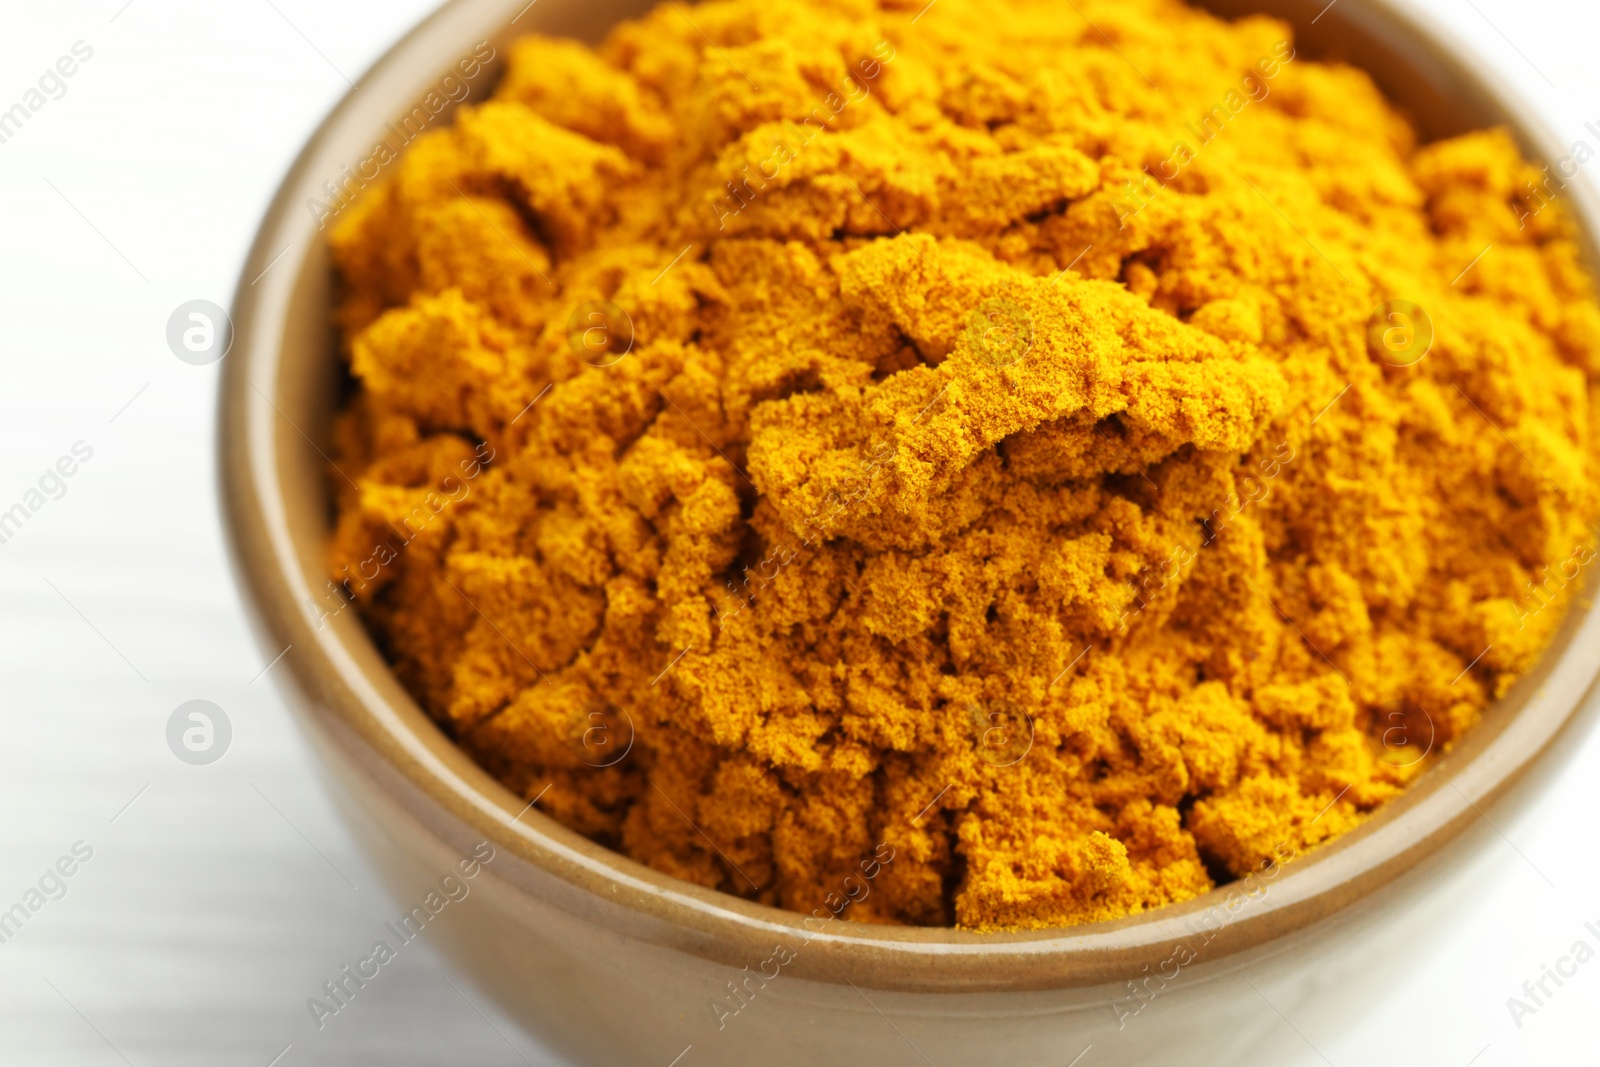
{"x": 219, "y": 898}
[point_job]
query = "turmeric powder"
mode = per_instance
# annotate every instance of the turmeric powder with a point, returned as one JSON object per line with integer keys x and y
{"x": 1085, "y": 456}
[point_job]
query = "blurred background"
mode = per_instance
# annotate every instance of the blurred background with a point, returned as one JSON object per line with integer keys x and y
{"x": 207, "y": 901}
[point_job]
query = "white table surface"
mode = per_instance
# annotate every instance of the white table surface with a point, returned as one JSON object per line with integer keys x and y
{"x": 222, "y": 897}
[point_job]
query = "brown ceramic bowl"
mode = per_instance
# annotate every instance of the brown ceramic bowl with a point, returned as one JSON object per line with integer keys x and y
{"x": 611, "y": 962}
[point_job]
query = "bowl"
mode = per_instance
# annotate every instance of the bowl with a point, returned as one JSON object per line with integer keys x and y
{"x": 569, "y": 936}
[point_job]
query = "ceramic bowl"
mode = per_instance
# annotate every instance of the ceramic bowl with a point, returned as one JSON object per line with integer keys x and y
{"x": 609, "y": 962}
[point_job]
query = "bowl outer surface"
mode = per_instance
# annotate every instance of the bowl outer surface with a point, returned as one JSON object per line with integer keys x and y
{"x": 281, "y": 386}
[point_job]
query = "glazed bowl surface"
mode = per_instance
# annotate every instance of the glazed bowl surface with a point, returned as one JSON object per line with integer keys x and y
{"x": 569, "y": 935}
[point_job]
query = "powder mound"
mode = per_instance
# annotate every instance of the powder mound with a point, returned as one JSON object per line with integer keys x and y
{"x": 795, "y": 440}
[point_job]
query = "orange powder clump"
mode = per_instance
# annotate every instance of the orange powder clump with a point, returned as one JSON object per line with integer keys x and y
{"x": 793, "y": 433}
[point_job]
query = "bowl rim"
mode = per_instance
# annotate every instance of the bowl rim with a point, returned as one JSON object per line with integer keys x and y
{"x": 349, "y": 695}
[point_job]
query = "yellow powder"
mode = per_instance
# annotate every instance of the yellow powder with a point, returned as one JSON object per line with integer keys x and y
{"x": 984, "y": 436}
